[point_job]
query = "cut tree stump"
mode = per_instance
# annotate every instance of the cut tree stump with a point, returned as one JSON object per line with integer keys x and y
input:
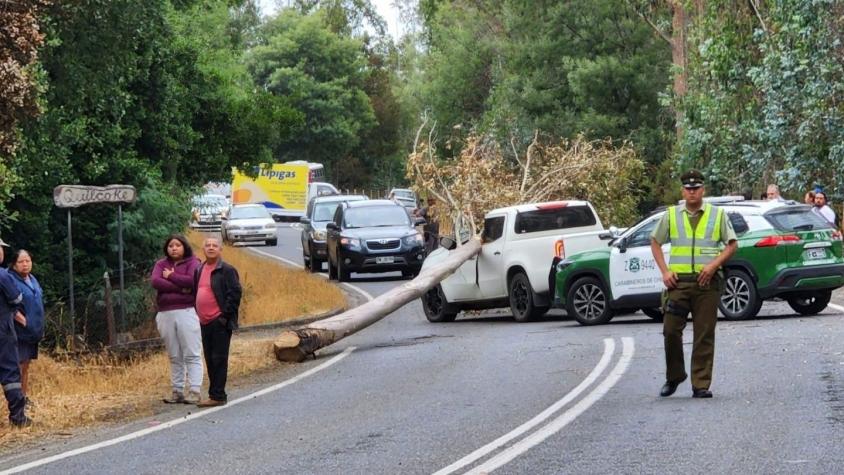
{"x": 296, "y": 345}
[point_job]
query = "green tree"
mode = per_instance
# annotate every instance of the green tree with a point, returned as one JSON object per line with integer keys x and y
{"x": 323, "y": 76}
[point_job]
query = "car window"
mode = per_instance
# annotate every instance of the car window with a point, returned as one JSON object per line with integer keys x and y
{"x": 325, "y": 211}
{"x": 554, "y": 218}
{"x": 740, "y": 225}
{"x": 642, "y": 236}
{"x": 249, "y": 212}
{"x": 373, "y": 216}
{"x": 800, "y": 219}
{"x": 493, "y": 228}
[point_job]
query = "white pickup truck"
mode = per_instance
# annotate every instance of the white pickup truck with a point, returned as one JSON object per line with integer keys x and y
{"x": 513, "y": 267}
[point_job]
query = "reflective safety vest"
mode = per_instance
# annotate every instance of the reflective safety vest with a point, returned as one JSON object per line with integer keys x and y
{"x": 692, "y": 250}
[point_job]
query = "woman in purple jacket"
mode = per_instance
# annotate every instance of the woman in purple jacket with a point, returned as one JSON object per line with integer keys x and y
{"x": 177, "y": 321}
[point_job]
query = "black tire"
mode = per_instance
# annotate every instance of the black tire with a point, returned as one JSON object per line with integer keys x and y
{"x": 522, "y": 305}
{"x": 314, "y": 265}
{"x": 740, "y": 300}
{"x": 436, "y": 307}
{"x": 343, "y": 275}
{"x": 810, "y": 303}
{"x": 655, "y": 313}
{"x": 272, "y": 242}
{"x": 588, "y": 303}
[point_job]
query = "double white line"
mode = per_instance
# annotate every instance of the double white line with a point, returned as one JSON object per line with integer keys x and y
{"x": 554, "y": 425}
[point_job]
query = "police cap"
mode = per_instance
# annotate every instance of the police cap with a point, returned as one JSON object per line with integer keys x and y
{"x": 692, "y": 179}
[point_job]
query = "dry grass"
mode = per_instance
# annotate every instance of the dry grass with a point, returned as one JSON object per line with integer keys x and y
{"x": 273, "y": 292}
{"x": 71, "y": 394}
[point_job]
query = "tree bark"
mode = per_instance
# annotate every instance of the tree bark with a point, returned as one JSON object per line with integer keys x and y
{"x": 296, "y": 345}
{"x": 678, "y": 58}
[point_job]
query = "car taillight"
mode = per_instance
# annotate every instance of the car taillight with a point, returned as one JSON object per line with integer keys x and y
{"x": 560, "y": 249}
{"x": 776, "y": 240}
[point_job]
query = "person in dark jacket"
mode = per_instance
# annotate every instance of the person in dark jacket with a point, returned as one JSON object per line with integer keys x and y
{"x": 10, "y": 372}
{"x": 30, "y": 319}
{"x": 218, "y": 293}
{"x": 177, "y": 322}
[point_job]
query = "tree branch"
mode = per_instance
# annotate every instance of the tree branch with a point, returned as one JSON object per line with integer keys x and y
{"x": 659, "y": 32}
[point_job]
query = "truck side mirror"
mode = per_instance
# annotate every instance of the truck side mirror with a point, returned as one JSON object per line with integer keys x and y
{"x": 332, "y": 226}
{"x": 304, "y": 220}
{"x": 419, "y": 221}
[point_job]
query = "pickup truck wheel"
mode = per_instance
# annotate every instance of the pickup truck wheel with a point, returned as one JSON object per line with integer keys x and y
{"x": 812, "y": 303}
{"x": 272, "y": 242}
{"x": 521, "y": 299}
{"x": 436, "y": 307}
{"x": 587, "y": 302}
{"x": 655, "y": 313}
{"x": 740, "y": 300}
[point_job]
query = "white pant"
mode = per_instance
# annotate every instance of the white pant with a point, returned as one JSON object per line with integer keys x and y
{"x": 183, "y": 339}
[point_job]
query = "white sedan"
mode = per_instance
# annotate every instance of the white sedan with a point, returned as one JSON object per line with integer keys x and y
{"x": 249, "y": 223}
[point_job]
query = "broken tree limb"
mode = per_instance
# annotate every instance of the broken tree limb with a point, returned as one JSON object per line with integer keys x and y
{"x": 296, "y": 345}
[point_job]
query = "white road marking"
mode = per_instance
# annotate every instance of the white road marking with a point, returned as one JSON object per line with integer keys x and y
{"x": 609, "y": 349}
{"x": 202, "y": 413}
{"x": 837, "y": 307}
{"x": 563, "y": 419}
{"x": 355, "y": 288}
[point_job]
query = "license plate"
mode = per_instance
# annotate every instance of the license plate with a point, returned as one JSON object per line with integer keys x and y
{"x": 385, "y": 260}
{"x": 813, "y": 254}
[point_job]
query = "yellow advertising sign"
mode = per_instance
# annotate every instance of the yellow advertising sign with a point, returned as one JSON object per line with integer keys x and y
{"x": 279, "y": 187}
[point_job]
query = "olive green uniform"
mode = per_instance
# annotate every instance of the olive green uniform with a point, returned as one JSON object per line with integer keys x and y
{"x": 701, "y": 301}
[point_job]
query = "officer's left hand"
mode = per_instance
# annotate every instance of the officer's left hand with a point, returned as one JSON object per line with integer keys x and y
{"x": 706, "y": 274}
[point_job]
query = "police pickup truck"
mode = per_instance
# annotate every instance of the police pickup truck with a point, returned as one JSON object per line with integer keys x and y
{"x": 512, "y": 267}
{"x": 784, "y": 251}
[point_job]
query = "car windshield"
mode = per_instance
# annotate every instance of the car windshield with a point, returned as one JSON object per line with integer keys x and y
{"x": 801, "y": 219}
{"x": 324, "y": 211}
{"x": 209, "y": 201}
{"x": 372, "y": 216}
{"x": 404, "y": 194}
{"x": 249, "y": 212}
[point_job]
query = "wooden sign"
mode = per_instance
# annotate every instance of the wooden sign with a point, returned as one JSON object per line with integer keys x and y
{"x": 73, "y": 196}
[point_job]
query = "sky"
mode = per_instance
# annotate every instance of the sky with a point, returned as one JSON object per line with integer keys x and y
{"x": 384, "y": 7}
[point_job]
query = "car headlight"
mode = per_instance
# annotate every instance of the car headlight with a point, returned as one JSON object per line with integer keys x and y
{"x": 353, "y": 243}
{"x": 563, "y": 264}
{"x": 318, "y": 235}
{"x": 233, "y": 227}
{"x": 269, "y": 226}
{"x": 414, "y": 240}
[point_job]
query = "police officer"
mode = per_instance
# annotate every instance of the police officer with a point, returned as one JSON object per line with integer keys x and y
{"x": 693, "y": 280}
{"x": 10, "y": 376}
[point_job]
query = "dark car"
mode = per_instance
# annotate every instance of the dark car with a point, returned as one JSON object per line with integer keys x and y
{"x": 319, "y": 213}
{"x": 373, "y": 236}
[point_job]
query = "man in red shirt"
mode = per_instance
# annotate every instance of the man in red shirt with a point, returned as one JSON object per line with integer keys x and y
{"x": 218, "y": 295}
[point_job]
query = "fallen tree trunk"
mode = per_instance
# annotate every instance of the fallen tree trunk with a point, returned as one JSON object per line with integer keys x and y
{"x": 296, "y": 345}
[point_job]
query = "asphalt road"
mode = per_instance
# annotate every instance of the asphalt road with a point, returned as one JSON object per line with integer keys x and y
{"x": 487, "y": 394}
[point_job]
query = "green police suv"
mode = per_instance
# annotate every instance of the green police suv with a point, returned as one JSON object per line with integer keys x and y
{"x": 784, "y": 251}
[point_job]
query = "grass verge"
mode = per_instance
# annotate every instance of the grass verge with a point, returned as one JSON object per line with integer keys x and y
{"x": 71, "y": 394}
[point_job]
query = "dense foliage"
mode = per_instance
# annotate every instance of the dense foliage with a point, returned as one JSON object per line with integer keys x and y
{"x": 766, "y": 95}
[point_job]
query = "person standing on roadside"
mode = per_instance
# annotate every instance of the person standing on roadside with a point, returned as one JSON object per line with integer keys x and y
{"x": 693, "y": 281}
{"x": 10, "y": 372}
{"x": 773, "y": 193}
{"x": 30, "y": 318}
{"x": 218, "y": 293}
{"x": 822, "y": 208}
{"x": 177, "y": 322}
